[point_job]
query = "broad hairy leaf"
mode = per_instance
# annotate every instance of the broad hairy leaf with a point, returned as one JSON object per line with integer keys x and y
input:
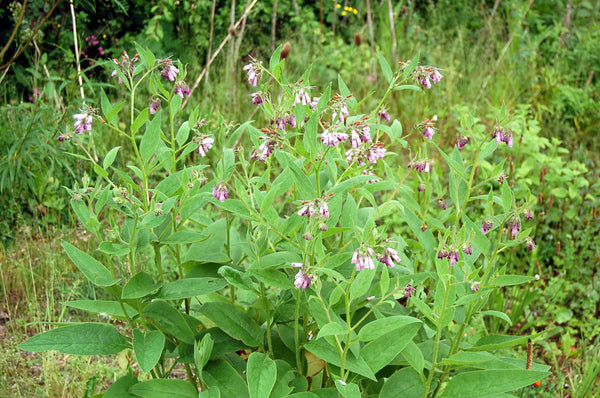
{"x": 111, "y": 308}
{"x": 97, "y": 273}
{"x": 170, "y": 320}
{"x": 222, "y": 375}
{"x": 234, "y": 322}
{"x": 262, "y": 374}
{"x": 485, "y": 383}
{"x": 148, "y": 348}
{"x": 140, "y": 285}
{"x": 328, "y": 353}
{"x": 79, "y": 339}
{"x": 161, "y": 388}
{"x": 190, "y": 287}
{"x": 405, "y": 383}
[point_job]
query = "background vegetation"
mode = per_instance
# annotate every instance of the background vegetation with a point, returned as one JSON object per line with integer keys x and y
{"x": 539, "y": 58}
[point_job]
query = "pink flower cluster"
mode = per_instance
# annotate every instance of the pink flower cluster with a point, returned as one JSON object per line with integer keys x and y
{"x": 331, "y": 137}
{"x": 362, "y": 257}
{"x": 426, "y": 76}
{"x": 318, "y": 206}
{"x": 502, "y": 135}
{"x": 254, "y": 71}
{"x": 388, "y": 257}
{"x": 83, "y": 120}
{"x": 126, "y": 66}
{"x": 168, "y": 71}
{"x": 365, "y": 155}
{"x": 220, "y": 191}
{"x": 271, "y": 141}
{"x": 204, "y": 144}
{"x": 302, "y": 97}
{"x": 422, "y": 166}
{"x": 486, "y": 225}
{"x": 427, "y": 127}
{"x": 453, "y": 255}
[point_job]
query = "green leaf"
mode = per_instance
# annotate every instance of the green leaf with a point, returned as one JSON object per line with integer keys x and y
{"x": 305, "y": 187}
{"x": 498, "y": 314}
{"x": 210, "y": 392}
{"x": 151, "y": 138}
{"x": 182, "y": 237}
{"x": 345, "y": 91}
{"x": 120, "y": 388}
{"x": 271, "y": 277}
{"x": 146, "y": 56}
{"x": 332, "y": 329}
{"x": 140, "y": 119}
{"x": 234, "y": 322}
{"x": 458, "y": 167}
{"x": 382, "y": 350}
{"x": 97, "y": 273}
{"x": 486, "y": 383}
{"x": 221, "y": 374}
{"x": 408, "y": 87}
{"x": 203, "y": 351}
{"x": 148, "y": 348}
{"x": 349, "y": 183}
{"x": 100, "y": 171}
{"x": 411, "y": 66}
{"x": 110, "y": 157}
{"x": 379, "y": 327}
{"x": 190, "y": 287}
{"x": 161, "y": 388}
{"x": 361, "y": 283}
{"x": 275, "y": 58}
{"x": 139, "y": 286}
{"x": 424, "y": 309}
{"x": 385, "y": 67}
{"x": 488, "y": 149}
{"x": 559, "y": 192}
{"x": 496, "y": 342}
{"x": 111, "y": 308}
{"x": 466, "y": 358}
{"x": 105, "y": 104}
{"x": 234, "y": 206}
{"x": 405, "y": 383}
{"x": 348, "y": 390}
{"x": 413, "y": 355}
{"x": 78, "y": 339}
{"x": 510, "y": 280}
{"x": 183, "y": 133}
{"x": 237, "y": 278}
{"x": 384, "y": 282}
{"x": 506, "y": 198}
{"x": 328, "y": 353}
{"x": 169, "y": 320}
{"x": 261, "y": 375}
{"x": 396, "y": 130}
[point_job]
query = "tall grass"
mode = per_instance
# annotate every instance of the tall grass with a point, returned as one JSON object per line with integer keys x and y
{"x": 36, "y": 278}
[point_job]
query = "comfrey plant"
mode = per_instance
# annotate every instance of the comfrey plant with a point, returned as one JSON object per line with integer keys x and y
{"x": 298, "y": 258}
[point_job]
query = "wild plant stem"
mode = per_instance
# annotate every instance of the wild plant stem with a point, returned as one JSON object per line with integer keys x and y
{"x": 438, "y": 336}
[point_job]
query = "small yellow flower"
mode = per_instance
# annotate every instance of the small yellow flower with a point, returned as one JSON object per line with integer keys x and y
{"x": 344, "y": 13}
{"x": 355, "y": 11}
{"x": 58, "y": 26}
{"x": 339, "y": 6}
{"x": 104, "y": 36}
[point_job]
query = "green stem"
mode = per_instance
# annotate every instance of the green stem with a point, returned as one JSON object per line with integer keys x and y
{"x": 438, "y": 336}
{"x": 190, "y": 375}
{"x": 296, "y": 330}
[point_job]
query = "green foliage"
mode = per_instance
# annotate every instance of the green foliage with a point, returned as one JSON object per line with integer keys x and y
{"x": 249, "y": 235}
{"x": 162, "y": 237}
